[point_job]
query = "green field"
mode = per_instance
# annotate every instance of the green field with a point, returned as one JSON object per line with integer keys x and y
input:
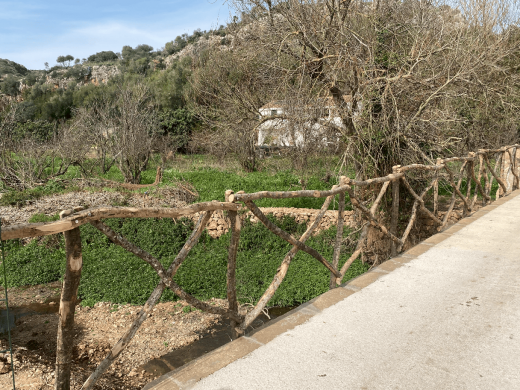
{"x": 112, "y": 274}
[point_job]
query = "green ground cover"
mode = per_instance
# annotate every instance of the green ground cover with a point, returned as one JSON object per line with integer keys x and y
{"x": 212, "y": 183}
{"x": 210, "y": 179}
{"x": 112, "y": 274}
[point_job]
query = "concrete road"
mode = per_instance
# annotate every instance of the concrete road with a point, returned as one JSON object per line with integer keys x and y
{"x": 449, "y": 319}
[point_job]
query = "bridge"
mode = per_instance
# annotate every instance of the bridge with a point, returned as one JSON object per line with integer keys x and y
{"x": 443, "y": 315}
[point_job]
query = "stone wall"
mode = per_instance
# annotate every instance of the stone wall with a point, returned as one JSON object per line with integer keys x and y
{"x": 218, "y": 224}
{"x": 424, "y": 227}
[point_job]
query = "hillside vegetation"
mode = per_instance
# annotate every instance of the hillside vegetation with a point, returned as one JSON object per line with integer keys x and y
{"x": 408, "y": 81}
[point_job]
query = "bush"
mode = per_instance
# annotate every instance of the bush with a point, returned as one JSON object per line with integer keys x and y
{"x": 103, "y": 56}
{"x": 177, "y": 125}
{"x": 39, "y": 130}
{"x": 10, "y": 86}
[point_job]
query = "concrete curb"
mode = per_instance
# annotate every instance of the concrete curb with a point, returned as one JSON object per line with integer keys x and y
{"x": 186, "y": 376}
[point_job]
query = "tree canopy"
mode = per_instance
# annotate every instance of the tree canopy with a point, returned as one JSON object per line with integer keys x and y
{"x": 65, "y": 60}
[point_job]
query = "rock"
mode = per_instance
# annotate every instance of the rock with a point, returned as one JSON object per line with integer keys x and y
{"x": 4, "y": 368}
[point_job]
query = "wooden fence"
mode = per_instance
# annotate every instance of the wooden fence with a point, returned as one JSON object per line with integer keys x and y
{"x": 478, "y": 170}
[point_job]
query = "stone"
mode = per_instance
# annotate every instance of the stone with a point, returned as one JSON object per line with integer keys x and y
{"x": 4, "y": 368}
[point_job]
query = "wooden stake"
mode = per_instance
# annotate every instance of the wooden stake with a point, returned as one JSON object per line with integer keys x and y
{"x": 235, "y": 226}
{"x": 420, "y": 199}
{"x": 289, "y": 238}
{"x": 382, "y": 193}
{"x": 456, "y": 188}
{"x": 488, "y": 183}
{"x": 357, "y": 252}
{"x": 469, "y": 176}
{"x": 436, "y": 190}
{"x": 510, "y": 170}
{"x": 149, "y": 305}
{"x": 478, "y": 184}
{"x": 395, "y": 210}
{"x": 497, "y": 178}
{"x": 69, "y": 294}
{"x": 514, "y": 168}
{"x": 357, "y": 204}
{"x": 453, "y": 196}
{"x": 516, "y": 157}
{"x": 282, "y": 270}
{"x": 502, "y": 174}
{"x": 339, "y": 233}
{"x": 159, "y": 269}
{"x": 410, "y": 224}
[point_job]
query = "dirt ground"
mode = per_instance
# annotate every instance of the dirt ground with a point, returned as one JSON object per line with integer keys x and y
{"x": 165, "y": 341}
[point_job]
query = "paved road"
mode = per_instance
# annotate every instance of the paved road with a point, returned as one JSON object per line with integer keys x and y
{"x": 449, "y": 319}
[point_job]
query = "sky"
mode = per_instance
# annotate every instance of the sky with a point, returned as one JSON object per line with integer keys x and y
{"x": 33, "y": 32}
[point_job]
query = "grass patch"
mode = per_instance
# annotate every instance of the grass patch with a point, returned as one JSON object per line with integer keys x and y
{"x": 43, "y": 218}
{"x": 112, "y": 274}
{"x": 212, "y": 183}
{"x": 14, "y": 197}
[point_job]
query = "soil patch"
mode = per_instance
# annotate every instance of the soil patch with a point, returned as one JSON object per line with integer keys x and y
{"x": 175, "y": 334}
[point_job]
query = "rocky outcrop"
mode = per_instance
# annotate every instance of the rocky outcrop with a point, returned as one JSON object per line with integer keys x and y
{"x": 6, "y": 100}
{"x": 98, "y": 74}
{"x": 192, "y": 50}
{"x": 102, "y": 73}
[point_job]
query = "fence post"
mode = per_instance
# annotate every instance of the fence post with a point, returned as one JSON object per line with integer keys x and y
{"x": 508, "y": 166}
{"x": 234, "y": 227}
{"x": 516, "y": 166}
{"x": 499, "y": 170}
{"x": 395, "y": 208}
{"x": 470, "y": 168}
{"x": 69, "y": 295}
{"x": 339, "y": 232}
{"x": 436, "y": 188}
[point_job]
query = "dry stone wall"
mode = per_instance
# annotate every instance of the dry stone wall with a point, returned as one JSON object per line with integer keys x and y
{"x": 219, "y": 225}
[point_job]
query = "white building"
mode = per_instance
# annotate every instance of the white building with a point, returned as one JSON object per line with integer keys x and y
{"x": 313, "y": 124}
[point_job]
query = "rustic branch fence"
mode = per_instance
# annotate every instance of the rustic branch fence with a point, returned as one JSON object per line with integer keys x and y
{"x": 369, "y": 211}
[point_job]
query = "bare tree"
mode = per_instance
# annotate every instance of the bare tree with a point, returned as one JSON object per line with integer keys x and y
{"x": 408, "y": 79}
{"x": 120, "y": 129}
{"x": 93, "y": 128}
{"x": 135, "y": 130}
{"x": 227, "y": 88}
{"x": 27, "y": 161}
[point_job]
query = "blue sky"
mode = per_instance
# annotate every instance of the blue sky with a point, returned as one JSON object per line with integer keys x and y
{"x": 34, "y": 32}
